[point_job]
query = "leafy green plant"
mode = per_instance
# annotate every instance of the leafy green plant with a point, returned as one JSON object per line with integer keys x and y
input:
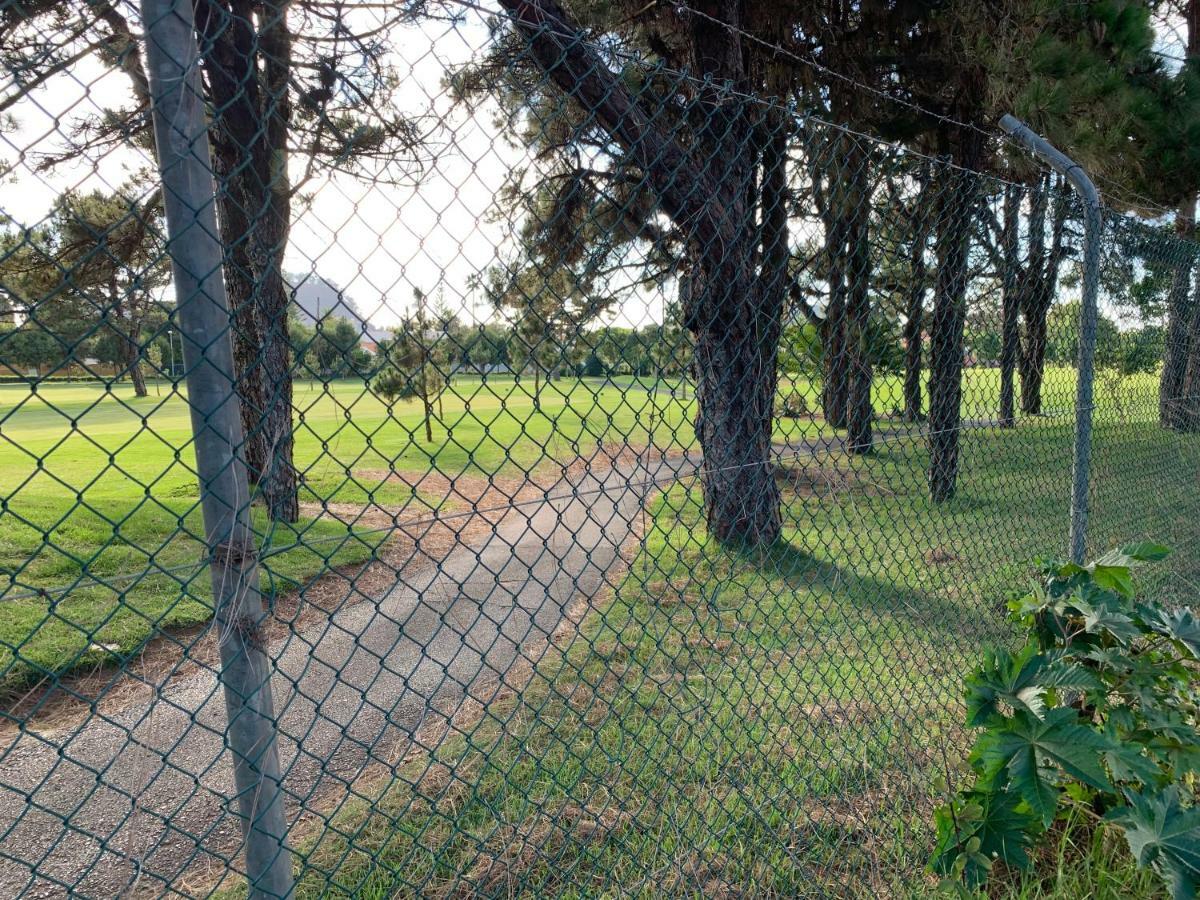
{"x": 1095, "y": 717}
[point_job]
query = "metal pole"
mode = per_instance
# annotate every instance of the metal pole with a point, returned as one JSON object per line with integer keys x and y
{"x": 203, "y": 320}
{"x": 1088, "y": 314}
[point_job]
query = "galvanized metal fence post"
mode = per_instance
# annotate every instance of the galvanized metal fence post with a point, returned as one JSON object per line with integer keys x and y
{"x": 1088, "y": 315}
{"x": 204, "y": 321}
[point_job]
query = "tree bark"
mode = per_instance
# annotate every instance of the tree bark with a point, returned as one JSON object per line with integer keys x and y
{"x": 833, "y": 352}
{"x": 1033, "y": 363}
{"x": 126, "y": 334}
{"x": 1175, "y": 394}
{"x": 133, "y": 365}
{"x": 1037, "y": 289}
{"x": 1010, "y": 312}
{"x": 914, "y": 311}
{"x": 1185, "y": 412}
{"x": 956, "y": 209}
{"x": 1177, "y": 349}
{"x": 733, "y": 309}
{"x": 859, "y": 413}
{"x": 736, "y": 317}
{"x": 250, "y": 131}
{"x": 836, "y": 215}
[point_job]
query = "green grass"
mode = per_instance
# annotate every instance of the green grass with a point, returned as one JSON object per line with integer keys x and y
{"x": 99, "y": 516}
{"x": 98, "y": 548}
{"x": 764, "y": 722}
{"x": 1081, "y": 862}
{"x": 724, "y": 721}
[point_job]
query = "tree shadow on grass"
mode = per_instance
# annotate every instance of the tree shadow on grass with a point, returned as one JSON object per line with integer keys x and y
{"x": 870, "y": 598}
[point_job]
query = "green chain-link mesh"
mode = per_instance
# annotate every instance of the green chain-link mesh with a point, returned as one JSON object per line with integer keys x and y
{"x": 634, "y": 470}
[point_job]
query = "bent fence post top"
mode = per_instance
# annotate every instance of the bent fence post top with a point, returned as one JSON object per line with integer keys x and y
{"x": 1081, "y": 463}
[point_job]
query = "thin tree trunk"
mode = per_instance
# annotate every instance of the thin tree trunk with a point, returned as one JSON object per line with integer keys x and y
{"x": 1037, "y": 293}
{"x": 859, "y": 414}
{"x": 955, "y": 214}
{"x": 918, "y": 223}
{"x": 1185, "y": 413}
{"x": 1029, "y": 351}
{"x": 833, "y": 326}
{"x": 279, "y": 486}
{"x": 250, "y": 146}
{"x": 1010, "y": 335}
{"x": 133, "y": 364}
{"x": 1033, "y": 361}
{"x": 1177, "y": 349}
{"x": 131, "y": 355}
{"x": 914, "y": 316}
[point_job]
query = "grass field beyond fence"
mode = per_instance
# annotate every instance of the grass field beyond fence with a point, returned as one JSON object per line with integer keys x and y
{"x": 723, "y": 719}
{"x": 767, "y": 722}
{"x": 100, "y": 521}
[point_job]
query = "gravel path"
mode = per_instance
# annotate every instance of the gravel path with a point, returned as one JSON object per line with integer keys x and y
{"x": 131, "y": 802}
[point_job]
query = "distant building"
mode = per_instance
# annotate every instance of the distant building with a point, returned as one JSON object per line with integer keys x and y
{"x": 315, "y": 298}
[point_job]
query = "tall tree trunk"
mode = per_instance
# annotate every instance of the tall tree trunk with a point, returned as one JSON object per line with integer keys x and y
{"x": 859, "y": 413}
{"x": 1180, "y": 314}
{"x": 133, "y": 365}
{"x": 1185, "y": 413}
{"x": 914, "y": 310}
{"x": 833, "y": 348}
{"x": 1032, "y": 348}
{"x": 1010, "y": 305}
{"x": 279, "y": 482}
{"x": 733, "y": 311}
{"x": 1033, "y": 363}
{"x": 919, "y": 222}
{"x": 914, "y": 313}
{"x": 1037, "y": 291}
{"x": 1175, "y": 400}
{"x": 736, "y": 316}
{"x": 126, "y": 333}
{"x": 250, "y": 132}
{"x": 956, "y": 209}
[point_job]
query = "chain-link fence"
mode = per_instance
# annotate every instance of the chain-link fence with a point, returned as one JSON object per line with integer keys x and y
{"x": 442, "y": 455}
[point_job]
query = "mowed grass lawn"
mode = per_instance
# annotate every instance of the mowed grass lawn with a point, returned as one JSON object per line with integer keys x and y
{"x": 765, "y": 723}
{"x": 100, "y": 517}
{"x": 100, "y": 522}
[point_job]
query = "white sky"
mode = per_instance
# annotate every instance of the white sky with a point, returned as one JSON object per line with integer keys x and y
{"x": 376, "y": 241}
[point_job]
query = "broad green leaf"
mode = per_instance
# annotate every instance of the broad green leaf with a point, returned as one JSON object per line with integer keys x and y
{"x": 1021, "y": 681}
{"x": 1036, "y": 785}
{"x": 1142, "y": 551}
{"x": 1114, "y": 578}
{"x": 1147, "y": 551}
{"x": 1180, "y": 625}
{"x": 1000, "y": 829}
{"x": 1128, "y": 763}
{"x": 1058, "y": 737}
{"x": 1162, "y": 834}
{"x": 1102, "y": 618}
